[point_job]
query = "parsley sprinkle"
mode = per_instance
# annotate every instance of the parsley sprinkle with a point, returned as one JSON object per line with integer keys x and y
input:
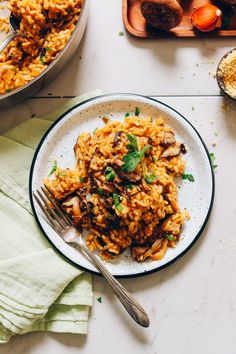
{"x": 127, "y": 114}
{"x": 170, "y": 237}
{"x": 127, "y": 185}
{"x": 53, "y": 169}
{"x": 99, "y": 299}
{"x": 133, "y": 146}
{"x": 193, "y": 108}
{"x": 8, "y": 90}
{"x": 62, "y": 174}
{"x": 133, "y": 158}
{"x": 212, "y": 157}
{"x": 137, "y": 111}
{"x": 116, "y": 198}
{"x": 150, "y": 178}
{"x": 188, "y": 176}
{"x": 121, "y": 34}
{"x": 49, "y": 49}
{"x": 81, "y": 179}
{"x": 110, "y": 174}
{"x": 41, "y": 59}
{"x": 100, "y": 191}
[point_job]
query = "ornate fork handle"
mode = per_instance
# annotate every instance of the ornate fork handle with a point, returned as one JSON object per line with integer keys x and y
{"x": 9, "y": 39}
{"x": 128, "y": 301}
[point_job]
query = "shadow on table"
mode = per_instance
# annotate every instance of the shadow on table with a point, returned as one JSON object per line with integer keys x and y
{"x": 165, "y": 49}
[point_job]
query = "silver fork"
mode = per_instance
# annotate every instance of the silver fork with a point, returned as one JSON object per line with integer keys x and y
{"x": 63, "y": 225}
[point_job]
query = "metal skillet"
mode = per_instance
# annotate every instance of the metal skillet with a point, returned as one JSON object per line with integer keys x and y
{"x": 53, "y": 69}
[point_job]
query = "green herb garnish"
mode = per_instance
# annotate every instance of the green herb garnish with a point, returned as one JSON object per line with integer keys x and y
{"x": 170, "y": 237}
{"x": 62, "y": 174}
{"x": 133, "y": 158}
{"x": 100, "y": 191}
{"x": 150, "y": 178}
{"x": 137, "y": 111}
{"x": 116, "y": 198}
{"x": 121, "y": 34}
{"x": 212, "y": 157}
{"x": 41, "y": 59}
{"x": 127, "y": 185}
{"x": 193, "y": 108}
{"x": 53, "y": 169}
{"x": 133, "y": 146}
{"x": 188, "y": 176}
{"x": 81, "y": 179}
{"x": 8, "y": 90}
{"x": 99, "y": 299}
{"x": 49, "y": 49}
{"x": 127, "y": 114}
{"x": 110, "y": 174}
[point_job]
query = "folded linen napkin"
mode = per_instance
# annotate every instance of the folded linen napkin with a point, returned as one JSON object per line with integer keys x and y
{"x": 39, "y": 290}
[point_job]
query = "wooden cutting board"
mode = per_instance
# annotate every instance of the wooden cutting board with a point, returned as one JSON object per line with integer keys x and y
{"x": 136, "y": 24}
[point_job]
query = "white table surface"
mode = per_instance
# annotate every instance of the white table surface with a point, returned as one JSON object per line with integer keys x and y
{"x": 192, "y": 304}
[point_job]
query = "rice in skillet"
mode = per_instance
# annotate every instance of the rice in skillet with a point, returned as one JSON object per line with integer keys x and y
{"x": 123, "y": 190}
{"x": 48, "y": 25}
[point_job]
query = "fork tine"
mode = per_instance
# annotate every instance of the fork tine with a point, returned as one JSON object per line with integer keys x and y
{"x": 49, "y": 195}
{"x": 51, "y": 211}
{"x": 48, "y": 216}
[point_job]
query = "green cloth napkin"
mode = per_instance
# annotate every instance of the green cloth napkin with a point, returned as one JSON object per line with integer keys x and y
{"x": 39, "y": 290}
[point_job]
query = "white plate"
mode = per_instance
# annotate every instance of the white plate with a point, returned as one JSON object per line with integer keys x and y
{"x": 196, "y": 197}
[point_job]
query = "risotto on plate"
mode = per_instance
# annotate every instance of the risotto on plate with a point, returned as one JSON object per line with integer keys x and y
{"x": 122, "y": 189}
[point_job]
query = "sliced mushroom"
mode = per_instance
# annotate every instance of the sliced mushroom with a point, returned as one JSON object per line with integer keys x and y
{"x": 73, "y": 204}
{"x": 171, "y": 151}
{"x": 117, "y": 138}
{"x": 137, "y": 252}
{"x": 169, "y": 139}
{"x": 108, "y": 188}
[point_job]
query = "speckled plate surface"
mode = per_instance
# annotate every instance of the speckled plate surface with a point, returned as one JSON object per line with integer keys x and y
{"x": 196, "y": 197}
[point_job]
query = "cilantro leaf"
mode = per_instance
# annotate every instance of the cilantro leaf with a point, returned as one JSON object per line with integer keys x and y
{"x": 53, "y": 169}
{"x": 133, "y": 158}
{"x": 110, "y": 174}
{"x": 137, "y": 111}
{"x": 81, "y": 179}
{"x": 212, "y": 157}
{"x": 99, "y": 299}
{"x": 116, "y": 198}
{"x": 127, "y": 114}
{"x": 188, "y": 176}
{"x": 133, "y": 142}
{"x": 170, "y": 237}
{"x": 150, "y": 178}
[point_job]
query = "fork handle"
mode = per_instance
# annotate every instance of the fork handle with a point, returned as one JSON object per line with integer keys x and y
{"x": 128, "y": 301}
{"x": 8, "y": 40}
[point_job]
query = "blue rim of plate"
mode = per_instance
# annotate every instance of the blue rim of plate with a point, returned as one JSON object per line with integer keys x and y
{"x": 120, "y": 275}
